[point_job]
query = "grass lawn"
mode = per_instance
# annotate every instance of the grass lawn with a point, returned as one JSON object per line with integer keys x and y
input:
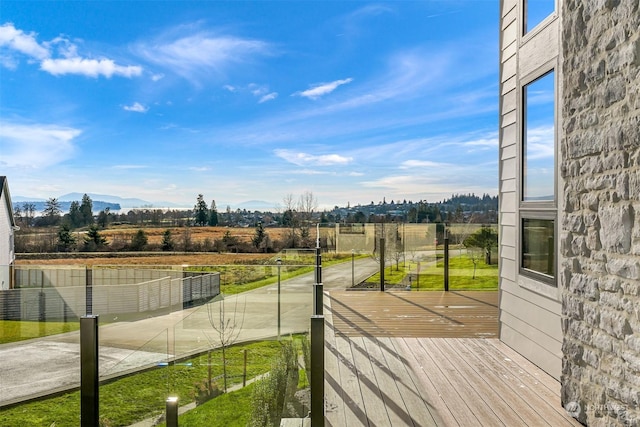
{"x": 431, "y": 277}
{"x": 137, "y": 397}
{"x": 18, "y": 330}
{"x": 227, "y": 410}
{"x": 235, "y": 279}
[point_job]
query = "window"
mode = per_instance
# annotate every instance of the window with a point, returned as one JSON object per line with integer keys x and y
{"x": 539, "y": 140}
{"x": 535, "y": 11}
{"x": 538, "y": 180}
{"x": 538, "y": 246}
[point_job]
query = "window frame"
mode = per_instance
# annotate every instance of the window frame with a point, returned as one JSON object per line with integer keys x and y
{"x": 538, "y": 209}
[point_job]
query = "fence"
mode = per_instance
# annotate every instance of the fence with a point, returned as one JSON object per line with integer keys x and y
{"x": 62, "y": 294}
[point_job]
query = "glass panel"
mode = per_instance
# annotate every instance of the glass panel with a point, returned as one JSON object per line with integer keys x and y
{"x": 535, "y": 11}
{"x": 538, "y": 246}
{"x": 538, "y": 174}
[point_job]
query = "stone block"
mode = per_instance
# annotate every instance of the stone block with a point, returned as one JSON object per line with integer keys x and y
{"x": 616, "y": 224}
{"x": 625, "y": 268}
{"x": 614, "y": 323}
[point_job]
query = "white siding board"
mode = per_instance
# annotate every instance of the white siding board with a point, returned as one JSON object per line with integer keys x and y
{"x": 508, "y": 102}
{"x": 508, "y": 152}
{"x": 508, "y": 119}
{"x": 508, "y": 235}
{"x": 509, "y": 34}
{"x": 508, "y": 171}
{"x": 508, "y": 186}
{"x": 508, "y": 219}
{"x": 507, "y": 5}
{"x": 508, "y": 85}
{"x": 539, "y": 317}
{"x": 508, "y": 253}
{"x": 508, "y": 136}
{"x": 541, "y": 357}
{"x": 508, "y": 203}
{"x": 508, "y": 68}
{"x": 509, "y": 17}
{"x": 535, "y": 299}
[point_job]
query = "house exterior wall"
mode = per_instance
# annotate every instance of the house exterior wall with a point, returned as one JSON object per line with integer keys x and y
{"x": 7, "y": 255}
{"x": 601, "y": 216}
{"x": 530, "y": 311}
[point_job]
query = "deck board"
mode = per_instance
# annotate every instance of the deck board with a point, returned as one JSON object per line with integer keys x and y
{"x": 429, "y": 359}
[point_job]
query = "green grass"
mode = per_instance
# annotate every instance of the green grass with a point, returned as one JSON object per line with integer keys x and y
{"x": 460, "y": 275}
{"x": 432, "y": 275}
{"x": 242, "y": 278}
{"x": 227, "y": 410}
{"x": 18, "y": 330}
{"x": 143, "y": 395}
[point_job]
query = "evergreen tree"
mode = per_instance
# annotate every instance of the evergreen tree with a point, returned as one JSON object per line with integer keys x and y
{"x": 86, "y": 209}
{"x": 94, "y": 240}
{"x": 259, "y": 236}
{"x": 167, "y": 241}
{"x": 200, "y": 211}
{"x": 51, "y": 212}
{"x": 213, "y": 214}
{"x": 75, "y": 216}
{"x": 139, "y": 241}
{"x": 66, "y": 240}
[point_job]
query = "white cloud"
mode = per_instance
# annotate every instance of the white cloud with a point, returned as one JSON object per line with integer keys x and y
{"x": 14, "y": 40}
{"x": 129, "y": 167}
{"x": 22, "y": 42}
{"x": 157, "y": 77}
{"x": 305, "y": 159}
{"x": 195, "y": 56}
{"x": 136, "y": 107}
{"x": 268, "y": 97}
{"x": 229, "y": 88}
{"x": 422, "y": 164}
{"x": 35, "y": 145}
{"x": 89, "y": 67}
{"x": 323, "y": 88}
{"x": 540, "y": 142}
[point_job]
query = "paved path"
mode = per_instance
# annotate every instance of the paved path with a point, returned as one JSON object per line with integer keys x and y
{"x": 38, "y": 367}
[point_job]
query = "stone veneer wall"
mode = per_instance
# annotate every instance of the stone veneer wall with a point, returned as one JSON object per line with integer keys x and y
{"x": 600, "y": 231}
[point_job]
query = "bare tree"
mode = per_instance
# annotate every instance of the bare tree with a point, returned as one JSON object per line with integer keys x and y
{"x": 227, "y": 329}
{"x": 307, "y": 205}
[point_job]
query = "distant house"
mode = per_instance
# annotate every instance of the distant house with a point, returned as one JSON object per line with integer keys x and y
{"x": 570, "y": 199}
{"x": 7, "y": 230}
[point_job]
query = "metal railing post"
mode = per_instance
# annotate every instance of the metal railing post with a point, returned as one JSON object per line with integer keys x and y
{"x": 382, "y": 255}
{"x": 446, "y": 262}
{"x": 317, "y": 287}
{"x": 89, "y": 380}
{"x": 317, "y": 371}
{"x": 171, "y": 414}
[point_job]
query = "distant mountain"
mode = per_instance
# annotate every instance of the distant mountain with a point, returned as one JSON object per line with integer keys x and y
{"x": 125, "y": 203}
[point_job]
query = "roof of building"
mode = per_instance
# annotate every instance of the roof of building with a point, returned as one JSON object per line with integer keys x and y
{"x": 4, "y": 190}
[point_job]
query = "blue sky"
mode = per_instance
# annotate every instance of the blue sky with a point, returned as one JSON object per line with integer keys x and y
{"x": 250, "y": 100}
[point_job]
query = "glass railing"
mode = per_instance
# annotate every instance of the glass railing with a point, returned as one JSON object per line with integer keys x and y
{"x": 163, "y": 332}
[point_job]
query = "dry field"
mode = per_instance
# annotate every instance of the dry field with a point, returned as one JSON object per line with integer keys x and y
{"x": 198, "y": 234}
{"x": 156, "y": 259}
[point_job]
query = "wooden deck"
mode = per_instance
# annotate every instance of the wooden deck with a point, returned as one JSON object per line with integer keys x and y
{"x": 424, "y": 359}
